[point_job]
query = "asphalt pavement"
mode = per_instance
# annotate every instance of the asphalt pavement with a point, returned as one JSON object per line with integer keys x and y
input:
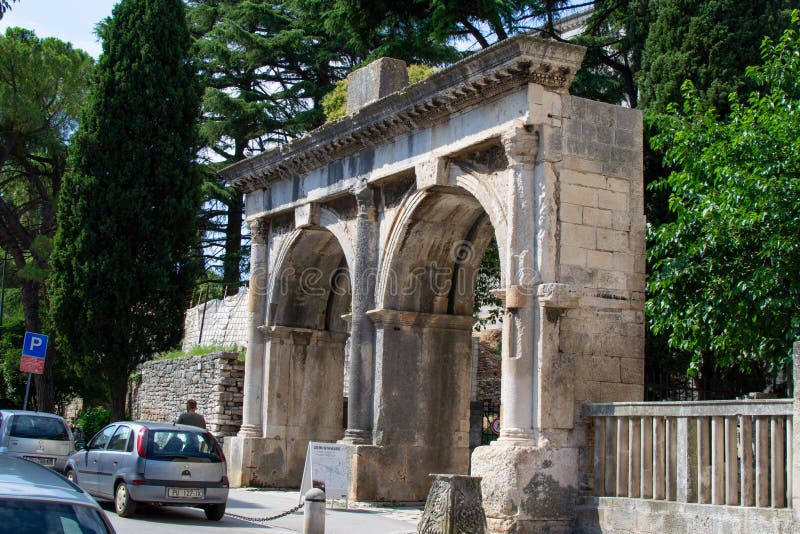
{"x": 359, "y": 518}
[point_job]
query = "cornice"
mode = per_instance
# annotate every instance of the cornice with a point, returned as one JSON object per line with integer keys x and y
{"x": 493, "y": 71}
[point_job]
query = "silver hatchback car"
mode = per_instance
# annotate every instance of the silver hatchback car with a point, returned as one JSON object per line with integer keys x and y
{"x": 41, "y": 437}
{"x": 154, "y": 463}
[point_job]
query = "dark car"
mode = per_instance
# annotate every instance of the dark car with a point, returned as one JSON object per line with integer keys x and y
{"x": 157, "y": 463}
{"x": 35, "y": 499}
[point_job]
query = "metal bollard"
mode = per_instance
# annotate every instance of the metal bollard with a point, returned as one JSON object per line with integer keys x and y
{"x": 314, "y": 512}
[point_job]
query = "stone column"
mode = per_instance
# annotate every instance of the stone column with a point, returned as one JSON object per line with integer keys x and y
{"x": 256, "y": 309}
{"x": 519, "y": 325}
{"x": 362, "y": 333}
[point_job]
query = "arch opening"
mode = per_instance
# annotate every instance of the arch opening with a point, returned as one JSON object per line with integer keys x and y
{"x": 306, "y": 336}
{"x": 424, "y": 334}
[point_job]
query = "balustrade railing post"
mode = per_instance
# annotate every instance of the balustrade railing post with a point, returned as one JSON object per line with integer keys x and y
{"x": 795, "y": 445}
{"x": 599, "y": 456}
{"x": 703, "y": 460}
{"x": 687, "y": 460}
{"x": 748, "y": 469}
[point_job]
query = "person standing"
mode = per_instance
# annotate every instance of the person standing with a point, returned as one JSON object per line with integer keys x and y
{"x": 190, "y": 416}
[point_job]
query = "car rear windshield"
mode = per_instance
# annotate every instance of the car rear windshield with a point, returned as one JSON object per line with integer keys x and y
{"x": 38, "y": 427}
{"x": 20, "y": 516}
{"x": 170, "y": 444}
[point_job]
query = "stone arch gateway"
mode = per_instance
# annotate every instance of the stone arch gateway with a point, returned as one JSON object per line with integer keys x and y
{"x": 371, "y": 228}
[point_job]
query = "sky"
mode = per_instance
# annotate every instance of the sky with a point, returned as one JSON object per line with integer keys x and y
{"x": 69, "y": 20}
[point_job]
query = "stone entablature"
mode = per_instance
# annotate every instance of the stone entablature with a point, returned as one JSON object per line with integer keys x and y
{"x": 482, "y": 76}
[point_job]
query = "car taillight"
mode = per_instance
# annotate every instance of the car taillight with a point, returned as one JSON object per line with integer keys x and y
{"x": 141, "y": 443}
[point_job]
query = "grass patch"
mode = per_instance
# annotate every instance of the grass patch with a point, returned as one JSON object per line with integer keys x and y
{"x": 198, "y": 350}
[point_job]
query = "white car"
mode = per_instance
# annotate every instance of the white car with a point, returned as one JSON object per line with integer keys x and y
{"x": 40, "y": 437}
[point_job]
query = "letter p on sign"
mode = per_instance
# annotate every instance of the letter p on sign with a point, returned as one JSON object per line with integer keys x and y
{"x": 35, "y": 345}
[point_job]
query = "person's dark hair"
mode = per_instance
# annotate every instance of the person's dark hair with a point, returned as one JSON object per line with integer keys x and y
{"x": 191, "y": 404}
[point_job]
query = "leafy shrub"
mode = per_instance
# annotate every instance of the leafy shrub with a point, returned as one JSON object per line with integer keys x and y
{"x": 92, "y": 420}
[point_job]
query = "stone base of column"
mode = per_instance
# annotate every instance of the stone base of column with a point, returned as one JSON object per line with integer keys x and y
{"x": 249, "y": 431}
{"x": 454, "y": 506}
{"x": 401, "y": 473}
{"x": 272, "y": 462}
{"x": 242, "y": 454}
{"x": 528, "y": 489}
{"x": 514, "y": 437}
{"x": 357, "y": 437}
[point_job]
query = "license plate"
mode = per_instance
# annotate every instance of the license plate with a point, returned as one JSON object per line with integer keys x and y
{"x": 185, "y": 493}
{"x": 42, "y": 460}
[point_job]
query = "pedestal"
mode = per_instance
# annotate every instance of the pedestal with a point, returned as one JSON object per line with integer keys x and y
{"x": 528, "y": 489}
{"x": 454, "y": 506}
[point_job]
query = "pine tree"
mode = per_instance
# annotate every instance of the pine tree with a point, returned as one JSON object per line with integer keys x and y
{"x": 127, "y": 228}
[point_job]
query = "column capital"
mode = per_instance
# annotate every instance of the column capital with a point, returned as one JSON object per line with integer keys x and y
{"x": 521, "y": 145}
{"x": 418, "y": 319}
{"x": 365, "y": 197}
{"x": 259, "y": 231}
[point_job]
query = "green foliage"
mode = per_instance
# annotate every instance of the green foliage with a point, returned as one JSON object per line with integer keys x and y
{"x": 614, "y": 39}
{"x": 12, "y": 333}
{"x": 334, "y": 104}
{"x": 418, "y": 72}
{"x": 123, "y": 254}
{"x": 724, "y": 282}
{"x": 197, "y": 350}
{"x": 92, "y": 420}
{"x": 486, "y": 307}
{"x": 42, "y": 87}
{"x": 709, "y": 42}
{"x": 5, "y": 5}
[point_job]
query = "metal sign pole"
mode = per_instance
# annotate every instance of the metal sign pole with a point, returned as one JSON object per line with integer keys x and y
{"x": 27, "y": 389}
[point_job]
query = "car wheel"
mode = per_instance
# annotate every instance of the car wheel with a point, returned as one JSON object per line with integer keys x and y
{"x": 71, "y": 476}
{"x": 214, "y": 512}
{"x": 123, "y": 504}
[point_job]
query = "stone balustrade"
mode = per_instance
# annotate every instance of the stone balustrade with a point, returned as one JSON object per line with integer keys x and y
{"x": 735, "y": 453}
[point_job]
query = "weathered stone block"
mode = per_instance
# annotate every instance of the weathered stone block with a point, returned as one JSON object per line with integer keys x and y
{"x": 578, "y": 195}
{"x": 597, "y": 259}
{"x": 578, "y": 235}
{"x": 597, "y": 217}
{"x": 612, "y": 200}
{"x": 573, "y": 255}
{"x": 374, "y": 81}
{"x": 571, "y": 213}
{"x": 612, "y": 240}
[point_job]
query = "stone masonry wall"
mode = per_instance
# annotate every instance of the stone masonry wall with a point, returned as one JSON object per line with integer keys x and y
{"x": 225, "y": 322}
{"x": 215, "y": 381}
{"x": 488, "y": 375}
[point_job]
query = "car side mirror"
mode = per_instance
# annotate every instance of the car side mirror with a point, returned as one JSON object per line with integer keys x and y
{"x": 80, "y": 446}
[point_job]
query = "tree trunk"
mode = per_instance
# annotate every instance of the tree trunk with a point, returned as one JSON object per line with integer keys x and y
{"x": 119, "y": 394}
{"x": 31, "y": 306}
{"x": 233, "y": 246}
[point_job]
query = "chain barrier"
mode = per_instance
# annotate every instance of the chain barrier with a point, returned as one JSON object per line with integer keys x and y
{"x": 265, "y": 519}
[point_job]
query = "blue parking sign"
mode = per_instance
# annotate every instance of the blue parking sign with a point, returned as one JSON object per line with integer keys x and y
{"x": 35, "y": 345}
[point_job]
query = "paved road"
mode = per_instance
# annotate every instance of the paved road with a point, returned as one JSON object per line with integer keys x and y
{"x": 257, "y": 503}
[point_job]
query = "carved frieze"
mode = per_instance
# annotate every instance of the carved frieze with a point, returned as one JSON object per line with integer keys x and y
{"x": 481, "y": 77}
